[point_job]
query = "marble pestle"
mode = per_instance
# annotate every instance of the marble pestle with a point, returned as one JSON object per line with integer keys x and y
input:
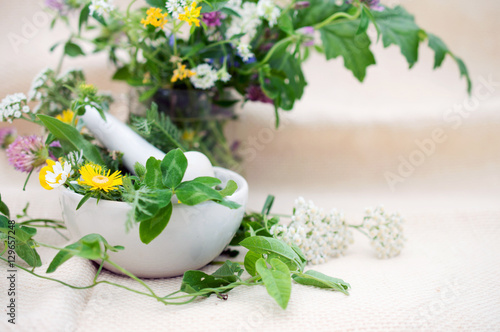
{"x": 116, "y": 135}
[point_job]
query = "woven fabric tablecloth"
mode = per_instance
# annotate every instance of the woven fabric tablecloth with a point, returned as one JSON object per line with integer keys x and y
{"x": 445, "y": 279}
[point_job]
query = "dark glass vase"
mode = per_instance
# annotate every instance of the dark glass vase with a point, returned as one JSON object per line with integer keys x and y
{"x": 201, "y": 117}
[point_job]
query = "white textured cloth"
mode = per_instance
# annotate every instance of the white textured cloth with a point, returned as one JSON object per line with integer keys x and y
{"x": 445, "y": 279}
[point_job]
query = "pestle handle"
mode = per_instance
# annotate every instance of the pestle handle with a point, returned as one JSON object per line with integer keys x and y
{"x": 116, "y": 135}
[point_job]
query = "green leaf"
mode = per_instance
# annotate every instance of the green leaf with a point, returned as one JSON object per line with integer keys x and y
{"x": 464, "y": 73}
{"x": 229, "y": 271}
{"x": 156, "y": 3}
{"x": 194, "y": 281}
{"x": 153, "y": 177}
{"x": 24, "y": 243}
{"x": 4, "y": 209}
{"x": 151, "y": 228}
{"x": 83, "y": 200}
{"x": 230, "y": 188}
{"x": 91, "y": 246}
{"x": 318, "y": 279}
{"x": 341, "y": 40}
{"x": 192, "y": 193}
{"x": 140, "y": 170}
{"x": 73, "y": 50}
{"x": 66, "y": 133}
{"x": 250, "y": 259}
{"x": 227, "y": 203}
{"x": 399, "y": 28}
{"x": 84, "y": 16}
{"x": 266, "y": 209}
{"x": 122, "y": 74}
{"x": 277, "y": 280}
{"x": 208, "y": 180}
{"x": 285, "y": 23}
{"x": 364, "y": 21}
{"x": 212, "y": 5}
{"x": 274, "y": 247}
{"x": 148, "y": 94}
{"x": 150, "y": 205}
{"x": 173, "y": 167}
{"x": 440, "y": 50}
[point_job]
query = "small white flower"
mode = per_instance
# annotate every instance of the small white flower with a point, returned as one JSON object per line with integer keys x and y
{"x": 223, "y": 75}
{"x": 268, "y": 10}
{"x": 101, "y": 7}
{"x": 59, "y": 175}
{"x": 244, "y": 51}
{"x": 205, "y": 76}
{"x": 176, "y": 7}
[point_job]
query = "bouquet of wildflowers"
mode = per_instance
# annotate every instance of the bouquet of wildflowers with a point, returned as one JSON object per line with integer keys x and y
{"x": 255, "y": 48}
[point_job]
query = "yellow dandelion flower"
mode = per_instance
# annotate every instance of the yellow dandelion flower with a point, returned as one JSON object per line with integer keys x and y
{"x": 181, "y": 73}
{"x": 191, "y": 15}
{"x": 155, "y": 18}
{"x": 66, "y": 116}
{"x": 54, "y": 174}
{"x": 94, "y": 176}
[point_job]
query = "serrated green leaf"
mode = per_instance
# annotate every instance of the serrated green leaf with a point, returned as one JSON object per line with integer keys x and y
{"x": 151, "y": 228}
{"x": 399, "y": 28}
{"x": 341, "y": 40}
{"x": 272, "y": 246}
{"x": 440, "y": 49}
{"x": 173, "y": 167}
{"x": 277, "y": 280}
{"x": 67, "y": 134}
{"x": 464, "y": 72}
{"x": 318, "y": 279}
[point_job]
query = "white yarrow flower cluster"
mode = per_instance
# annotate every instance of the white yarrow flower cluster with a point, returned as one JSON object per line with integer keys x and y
{"x": 223, "y": 75}
{"x": 37, "y": 83}
{"x": 101, "y": 7}
{"x": 268, "y": 10}
{"x": 177, "y": 7}
{"x": 13, "y": 106}
{"x": 385, "y": 230}
{"x": 318, "y": 234}
{"x": 205, "y": 76}
{"x": 248, "y": 21}
{"x": 244, "y": 51}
